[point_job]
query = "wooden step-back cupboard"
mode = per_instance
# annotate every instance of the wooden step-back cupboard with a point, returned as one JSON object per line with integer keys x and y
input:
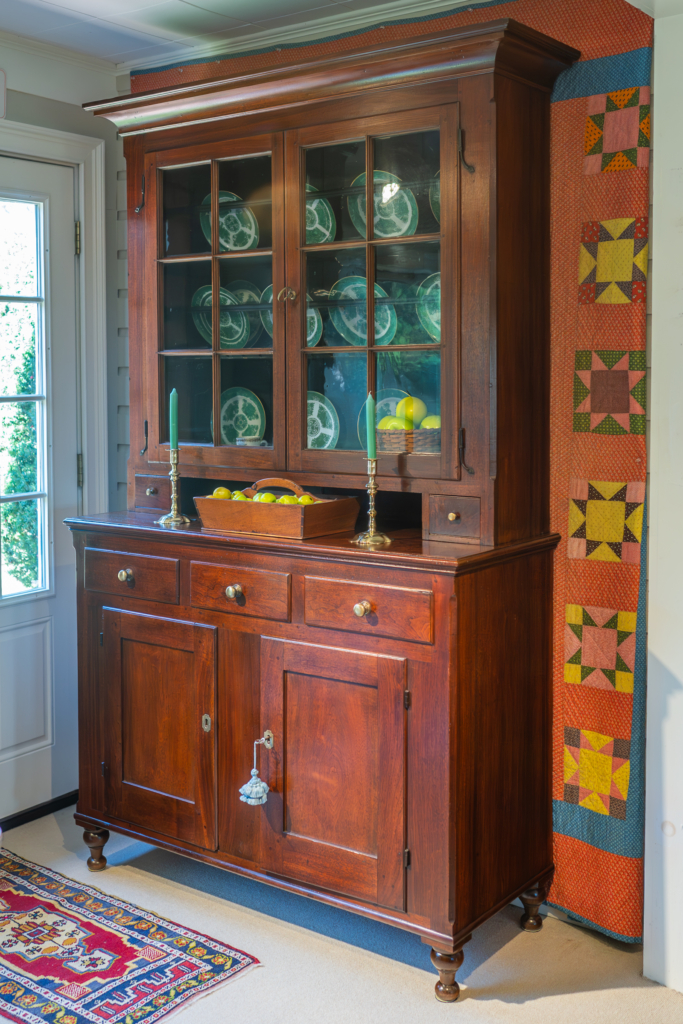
{"x": 405, "y": 691}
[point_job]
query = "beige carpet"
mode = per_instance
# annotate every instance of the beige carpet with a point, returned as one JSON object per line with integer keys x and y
{"x": 563, "y": 974}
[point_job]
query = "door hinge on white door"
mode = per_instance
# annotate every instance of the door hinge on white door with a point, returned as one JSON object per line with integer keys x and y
{"x": 79, "y": 470}
{"x": 77, "y": 238}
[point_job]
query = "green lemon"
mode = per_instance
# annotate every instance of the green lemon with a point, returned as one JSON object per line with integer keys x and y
{"x": 287, "y": 499}
{"x": 267, "y": 498}
{"x": 221, "y": 492}
{"x": 306, "y": 499}
{"x": 389, "y": 423}
{"x": 413, "y": 410}
{"x": 238, "y": 496}
{"x": 431, "y": 423}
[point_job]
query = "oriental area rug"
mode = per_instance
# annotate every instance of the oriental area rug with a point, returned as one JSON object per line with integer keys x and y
{"x": 69, "y": 954}
{"x": 600, "y": 150}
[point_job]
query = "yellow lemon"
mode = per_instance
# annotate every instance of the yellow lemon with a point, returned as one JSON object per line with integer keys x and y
{"x": 267, "y": 498}
{"x": 412, "y": 410}
{"x": 287, "y": 499}
{"x": 391, "y": 423}
{"x": 431, "y": 423}
{"x": 306, "y": 499}
{"x": 238, "y": 496}
{"x": 221, "y": 492}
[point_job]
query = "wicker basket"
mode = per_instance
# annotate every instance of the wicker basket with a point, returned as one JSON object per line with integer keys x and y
{"x": 417, "y": 440}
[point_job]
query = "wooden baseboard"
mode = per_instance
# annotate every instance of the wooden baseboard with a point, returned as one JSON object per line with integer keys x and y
{"x": 39, "y": 811}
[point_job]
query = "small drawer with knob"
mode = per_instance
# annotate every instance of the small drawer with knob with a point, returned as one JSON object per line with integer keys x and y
{"x": 153, "y": 492}
{"x": 398, "y": 612}
{"x": 238, "y": 591}
{"x": 454, "y": 518}
{"x": 144, "y": 577}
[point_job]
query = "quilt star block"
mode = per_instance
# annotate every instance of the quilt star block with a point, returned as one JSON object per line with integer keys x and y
{"x": 613, "y": 261}
{"x": 599, "y": 648}
{"x": 596, "y": 771}
{"x": 606, "y": 520}
{"x": 617, "y": 132}
{"x": 609, "y": 392}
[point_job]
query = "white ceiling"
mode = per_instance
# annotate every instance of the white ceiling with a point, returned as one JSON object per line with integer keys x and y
{"x": 149, "y": 33}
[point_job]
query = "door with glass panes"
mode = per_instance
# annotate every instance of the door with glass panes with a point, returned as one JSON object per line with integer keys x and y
{"x": 214, "y": 269}
{"x": 375, "y": 317}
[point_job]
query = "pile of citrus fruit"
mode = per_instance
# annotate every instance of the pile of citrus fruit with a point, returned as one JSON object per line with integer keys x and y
{"x": 265, "y": 497}
{"x": 410, "y": 413}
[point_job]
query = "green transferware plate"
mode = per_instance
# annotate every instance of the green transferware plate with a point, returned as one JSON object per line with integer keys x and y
{"x": 234, "y": 324}
{"x": 322, "y": 422}
{"x": 385, "y": 405}
{"x": 435, "y": 196}
{"x": 314, "y": 324}
{"x": 267, "y": 314}
{"x": 396, "y": 212}
{"x": 237, "y": 228}
{"x": 247, "y": 294}
{"x": 429, "y": 305}
{"x": 352, "y": 320}
{"x": 321, "y": 223}
{"x": 242, "y": 415}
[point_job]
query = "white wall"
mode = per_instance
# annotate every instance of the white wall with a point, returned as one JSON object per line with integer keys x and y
{"x": 46, "y": 87}
{"x": 663, "y": 926}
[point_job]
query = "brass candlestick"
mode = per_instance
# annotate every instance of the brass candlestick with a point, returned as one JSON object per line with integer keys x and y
{"x": 174, "y": 518}
{"x": 371, "y": 538}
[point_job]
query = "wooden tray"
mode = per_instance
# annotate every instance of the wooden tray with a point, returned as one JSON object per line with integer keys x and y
{"x": 326, "y": 515}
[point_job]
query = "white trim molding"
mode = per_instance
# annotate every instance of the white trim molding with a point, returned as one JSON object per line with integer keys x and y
{"x": 87, "y": 156}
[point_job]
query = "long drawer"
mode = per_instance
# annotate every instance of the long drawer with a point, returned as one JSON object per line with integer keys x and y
{"x": 239, "y": 591}
{"x": 397, "y": 612}
{"x": 145, "y": 577}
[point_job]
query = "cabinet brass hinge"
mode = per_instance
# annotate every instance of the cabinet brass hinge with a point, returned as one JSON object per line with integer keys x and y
{"x": 78, "y": 238}
{"x": 406, "y": 699}
{"x": 79, "y": 470}
{"x": 406, "y": 858}
{"x": 101, "y": 639}
{"x": 103, "y": 768}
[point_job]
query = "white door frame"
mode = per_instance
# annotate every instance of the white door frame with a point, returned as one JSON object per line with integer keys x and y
{"x": 86, "y": 156}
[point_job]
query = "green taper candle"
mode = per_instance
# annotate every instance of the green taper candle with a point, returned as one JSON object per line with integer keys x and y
{"x": 173, "y": 419}
{"x": 370, "y": 422}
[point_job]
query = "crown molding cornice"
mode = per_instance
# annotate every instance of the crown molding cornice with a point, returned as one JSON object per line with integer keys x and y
{"x": 60, "y": 53}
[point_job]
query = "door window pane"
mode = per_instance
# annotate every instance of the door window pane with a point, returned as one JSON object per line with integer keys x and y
{"x": 18, "y": 448}
{"x": 187, "y": 305}
{"x": 245, "y": 211}
{"x": 247, "y": 401}
{"x": 19, "y": 324}
{"x": 336, "y": 298}
{"x": 19, "y": 248}
{"x": 335, "y": 184}
{"x": 186, "y": 225}
{"x": 409, "y": 276}
{"x": 406, "y": 191}
{"x": 22, "y": 560}
{"x": 247, "y": 302}
{"x": 418, "y": 376}
{"x": 337, "y": 389}
{"x": 191, "y": 377}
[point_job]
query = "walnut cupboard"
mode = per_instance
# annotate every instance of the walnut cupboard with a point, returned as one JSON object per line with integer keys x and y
{"x": 372, "y": 221}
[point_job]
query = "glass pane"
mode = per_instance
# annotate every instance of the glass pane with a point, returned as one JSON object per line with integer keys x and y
{"x": 21, "y": 558}
{"x": 18, "y": 330}
{"x": 417, "y": 376}
{"x": 247, "y": 401}
{"x": 191, "y": 377}
{"x": 407, "y": 197}
{"x": 247, "y": 302}
{"x": 18, "y": 448}
{"x": 338, "y": 174}
{"x": 409, "y": 278}
{"x": 245, "y": 195}
{"x": 187, "y": 210}
{"x": 337, "y": 389}
{"x": 336, "y": 294}
{"x": 18, "y": 256}
{"x": 187, "y": 287}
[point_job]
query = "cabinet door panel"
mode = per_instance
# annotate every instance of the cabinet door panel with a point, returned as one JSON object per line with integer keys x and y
{"x": 160, "y": 680}
{"x": 335, "y": 810}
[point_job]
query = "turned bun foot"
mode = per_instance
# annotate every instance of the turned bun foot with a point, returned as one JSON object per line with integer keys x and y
{"x": 531, "y": 920}
{"x": 95, "y": 840}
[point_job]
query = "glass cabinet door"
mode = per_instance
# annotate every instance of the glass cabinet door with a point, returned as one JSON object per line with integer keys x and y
{"x": 372, "y": 315}
{"x": 220, "y": 230}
